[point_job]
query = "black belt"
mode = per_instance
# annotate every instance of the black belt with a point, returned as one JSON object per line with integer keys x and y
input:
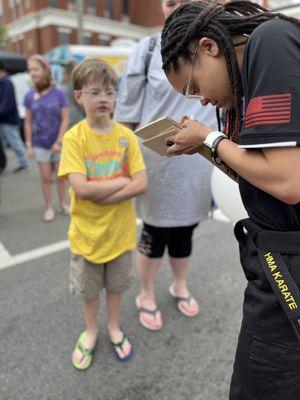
{"x": 270, "y": 245}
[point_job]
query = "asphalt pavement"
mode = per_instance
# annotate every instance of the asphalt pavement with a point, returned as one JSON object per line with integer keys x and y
{"x": 190, "y": 359}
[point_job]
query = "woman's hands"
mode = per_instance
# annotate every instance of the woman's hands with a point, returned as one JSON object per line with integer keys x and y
{"x": 189, "y": 140}
{"x": 30, "y": 152}
{"x": 56, "y": 147}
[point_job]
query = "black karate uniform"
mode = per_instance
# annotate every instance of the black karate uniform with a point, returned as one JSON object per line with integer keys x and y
{"x": 267, "y": 365}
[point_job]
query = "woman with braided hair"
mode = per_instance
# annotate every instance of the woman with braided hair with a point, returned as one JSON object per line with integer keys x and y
{"x": 246, "y": 59}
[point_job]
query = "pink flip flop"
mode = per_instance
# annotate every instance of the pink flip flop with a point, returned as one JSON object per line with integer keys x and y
{"x": 154, "y": 313}
{"x": 187, "y": 300}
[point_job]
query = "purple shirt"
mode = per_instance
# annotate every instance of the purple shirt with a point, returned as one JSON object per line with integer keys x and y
{"x": 46, "y": 116}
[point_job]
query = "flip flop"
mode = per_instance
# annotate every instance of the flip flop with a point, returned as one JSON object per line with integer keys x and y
{"x": 64, "y": 211}
{"x": 187, "y": 300}
{"x": 120, "y": 345}
{"x": 153, "y": 313}
{"x": 87, "y": 353}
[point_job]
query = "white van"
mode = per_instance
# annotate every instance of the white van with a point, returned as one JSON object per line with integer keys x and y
{"x": 116, "y": 55}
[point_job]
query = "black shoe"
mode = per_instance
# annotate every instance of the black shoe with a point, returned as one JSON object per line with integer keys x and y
{"x": 19, "y": 169}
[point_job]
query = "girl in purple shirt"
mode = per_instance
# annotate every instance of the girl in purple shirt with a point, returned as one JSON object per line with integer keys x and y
{"x": 46, "y": 121}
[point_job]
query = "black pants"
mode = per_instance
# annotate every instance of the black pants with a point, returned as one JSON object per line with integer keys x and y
{"x": 178, "y": 240}
{"x": 265, "y": 370}
{"x": 267, "y": 363}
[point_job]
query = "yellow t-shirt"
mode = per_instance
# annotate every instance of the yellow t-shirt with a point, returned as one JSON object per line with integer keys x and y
{"x": 101, "y": 233}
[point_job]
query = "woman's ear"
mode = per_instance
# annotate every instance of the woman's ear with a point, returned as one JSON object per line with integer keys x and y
{"x": 209, "y": 46}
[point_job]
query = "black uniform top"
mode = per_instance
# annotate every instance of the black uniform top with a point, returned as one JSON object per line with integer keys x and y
{"x": 271, "y": 83}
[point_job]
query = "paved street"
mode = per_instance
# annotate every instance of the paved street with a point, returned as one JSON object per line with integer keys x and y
{"x": 40, "y": 321}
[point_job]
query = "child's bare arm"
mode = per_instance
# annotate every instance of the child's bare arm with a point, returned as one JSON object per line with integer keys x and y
{"x": 95, "y": 191}
{"x": 137, "y": 186}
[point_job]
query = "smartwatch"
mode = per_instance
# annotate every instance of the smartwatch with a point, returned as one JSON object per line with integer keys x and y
{"x": 210, "y": 145}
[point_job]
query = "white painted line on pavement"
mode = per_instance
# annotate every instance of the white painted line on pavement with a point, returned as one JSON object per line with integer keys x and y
{"x": 33, "y": 254}
{"x": 6, "y": 260}
{"x": 3, "y": 252}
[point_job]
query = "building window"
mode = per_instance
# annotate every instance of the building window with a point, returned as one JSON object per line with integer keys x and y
{"x": 21, "y": 45}
{"x": 53, "y": 3}
{"x": 91, "y": 7}
{"x": 104, "y": 40}
{"x": 29, "y": 44}
{"x": 64, "y": 36}
{"x": 12, "y": 10}
{"x": 27, "y": 4}
{"x": 108, "y": 10}
{"x": 72, "y": 5}
{"x": 86, "y": 37}
{"x": 19, "y": 8}
{"x": 125, "y": 8}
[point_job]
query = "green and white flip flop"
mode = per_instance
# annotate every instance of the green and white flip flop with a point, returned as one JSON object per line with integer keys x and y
{"x": 87, "y": 353}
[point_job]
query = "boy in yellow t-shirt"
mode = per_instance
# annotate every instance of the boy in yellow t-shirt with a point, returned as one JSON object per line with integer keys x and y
{"x": 103, "y": 163}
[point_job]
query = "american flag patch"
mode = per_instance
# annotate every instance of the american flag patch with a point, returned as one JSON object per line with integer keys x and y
{"x": 269, "y": 110}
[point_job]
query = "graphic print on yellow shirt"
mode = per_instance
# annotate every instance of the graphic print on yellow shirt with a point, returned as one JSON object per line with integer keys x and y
{"x": 98, "y": 232}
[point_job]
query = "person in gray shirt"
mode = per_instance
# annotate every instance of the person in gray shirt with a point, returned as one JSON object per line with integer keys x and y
{"x": 179, "y": 188}
{"x": 76, "y": 112}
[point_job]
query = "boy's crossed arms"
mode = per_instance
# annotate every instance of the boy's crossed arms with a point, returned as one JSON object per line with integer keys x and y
{"x": 109, "y": 192}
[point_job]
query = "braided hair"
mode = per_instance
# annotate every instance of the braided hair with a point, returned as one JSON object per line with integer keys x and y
{"x": 194, "y": 20}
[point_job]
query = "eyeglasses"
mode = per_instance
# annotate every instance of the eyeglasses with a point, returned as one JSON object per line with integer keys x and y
{"x": 187, "y": 93}
{"x": 95, "y": 94}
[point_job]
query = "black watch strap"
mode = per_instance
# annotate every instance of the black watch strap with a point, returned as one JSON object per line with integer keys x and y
{"x": 217, "y": 160}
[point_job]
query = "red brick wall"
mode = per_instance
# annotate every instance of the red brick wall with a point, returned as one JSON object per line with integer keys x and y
{"x": 6, "y": 17}
{"x": 37, "y": 41}
{"x": 117, "y": 15}
{"x": 48, "y": 38}
{"x": 142, "y": 12}
{"x": 146, "y": 12}
{"x": 100, "y": 8}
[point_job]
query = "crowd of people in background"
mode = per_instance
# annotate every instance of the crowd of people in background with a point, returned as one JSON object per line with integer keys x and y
{"x": 10, "y": 123}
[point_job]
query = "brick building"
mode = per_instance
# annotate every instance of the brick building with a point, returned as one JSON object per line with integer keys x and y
{"x": 36, "y": 26}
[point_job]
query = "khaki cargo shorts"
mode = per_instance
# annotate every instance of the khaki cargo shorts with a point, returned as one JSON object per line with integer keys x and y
{"x": 86, "y": 278}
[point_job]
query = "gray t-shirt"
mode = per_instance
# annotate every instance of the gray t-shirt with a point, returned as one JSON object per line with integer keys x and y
{"x": 76, "y": 113}
{"x": 179, "y": 187}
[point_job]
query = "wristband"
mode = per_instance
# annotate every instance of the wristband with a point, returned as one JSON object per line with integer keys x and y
{"x": 210, "y": 145}
{"x": 28, "y": 144}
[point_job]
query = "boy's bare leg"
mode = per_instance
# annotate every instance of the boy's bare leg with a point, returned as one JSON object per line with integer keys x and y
{"x": 180, "y": 268}
{"x": 90, "y": 312}
{"x": 114, "y": 303}
{"x": 147, "y": 270}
